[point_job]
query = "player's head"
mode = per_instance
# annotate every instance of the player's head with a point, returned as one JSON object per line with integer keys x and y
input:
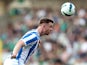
{"x": 46, "y": 25}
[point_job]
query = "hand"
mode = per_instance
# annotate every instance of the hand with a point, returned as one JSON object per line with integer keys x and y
{"x": 13, "y": 57}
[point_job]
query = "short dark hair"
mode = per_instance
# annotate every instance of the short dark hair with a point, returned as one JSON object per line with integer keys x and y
{"x": 46, "y": 20}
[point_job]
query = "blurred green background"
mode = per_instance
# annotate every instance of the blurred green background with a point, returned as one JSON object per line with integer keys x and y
{"x": 67, "y": 43}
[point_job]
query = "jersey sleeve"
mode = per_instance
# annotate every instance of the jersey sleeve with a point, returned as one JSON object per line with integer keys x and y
{"x": 29, "y": 38}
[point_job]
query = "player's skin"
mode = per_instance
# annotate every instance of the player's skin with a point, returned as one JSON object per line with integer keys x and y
{"x": 43, "y": 29}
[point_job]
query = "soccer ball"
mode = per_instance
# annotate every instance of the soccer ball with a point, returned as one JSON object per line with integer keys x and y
{"x": 68, "y": 9}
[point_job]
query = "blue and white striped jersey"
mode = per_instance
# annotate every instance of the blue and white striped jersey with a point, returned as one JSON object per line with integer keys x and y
{"x": 31, "y": 39}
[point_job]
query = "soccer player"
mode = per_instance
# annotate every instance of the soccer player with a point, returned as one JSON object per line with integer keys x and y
{"x": 28, "y": 44}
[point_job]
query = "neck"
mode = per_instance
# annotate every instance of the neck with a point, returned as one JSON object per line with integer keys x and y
{"x": 39, "y": 29}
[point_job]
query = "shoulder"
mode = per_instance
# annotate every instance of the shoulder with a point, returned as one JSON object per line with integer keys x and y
{"x": 30, "y": 32}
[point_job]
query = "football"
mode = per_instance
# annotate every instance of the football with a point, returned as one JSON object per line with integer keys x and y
{"x": 68, "y": 9}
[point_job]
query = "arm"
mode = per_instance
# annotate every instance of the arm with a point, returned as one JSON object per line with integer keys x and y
{"x": 28, "y": 39}
{"x": 17, "y": 48}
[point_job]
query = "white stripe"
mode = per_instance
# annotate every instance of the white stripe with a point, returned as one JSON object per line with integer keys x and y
{"x": 29, "y": 38}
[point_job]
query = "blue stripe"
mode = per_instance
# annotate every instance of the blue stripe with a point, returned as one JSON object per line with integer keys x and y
{"x": 30, "y": 51}
{"x": 32, "y": 40}
{"x": 19, "y": 53}
{"x": 27, "y": 35}
{"x": 70, "y": 8}
{"x": 37, "y": 35}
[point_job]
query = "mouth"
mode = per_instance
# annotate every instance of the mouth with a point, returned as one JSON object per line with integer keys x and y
{"x": 47, "y": 34}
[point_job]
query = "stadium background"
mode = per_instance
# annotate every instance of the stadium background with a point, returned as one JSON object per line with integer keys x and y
{"x": 67, "y": 43}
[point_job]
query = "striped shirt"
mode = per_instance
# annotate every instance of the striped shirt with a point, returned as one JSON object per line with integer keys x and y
{"x": 31, "y": 39}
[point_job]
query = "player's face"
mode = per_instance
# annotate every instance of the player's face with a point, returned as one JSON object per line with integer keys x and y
{"x": 48, "y": 28}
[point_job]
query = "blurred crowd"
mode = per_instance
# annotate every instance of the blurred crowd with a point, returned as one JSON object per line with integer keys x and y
{"x": 67, "y": 44}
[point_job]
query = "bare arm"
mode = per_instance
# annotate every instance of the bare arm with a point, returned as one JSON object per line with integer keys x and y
{"x": 17, "y": 48}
